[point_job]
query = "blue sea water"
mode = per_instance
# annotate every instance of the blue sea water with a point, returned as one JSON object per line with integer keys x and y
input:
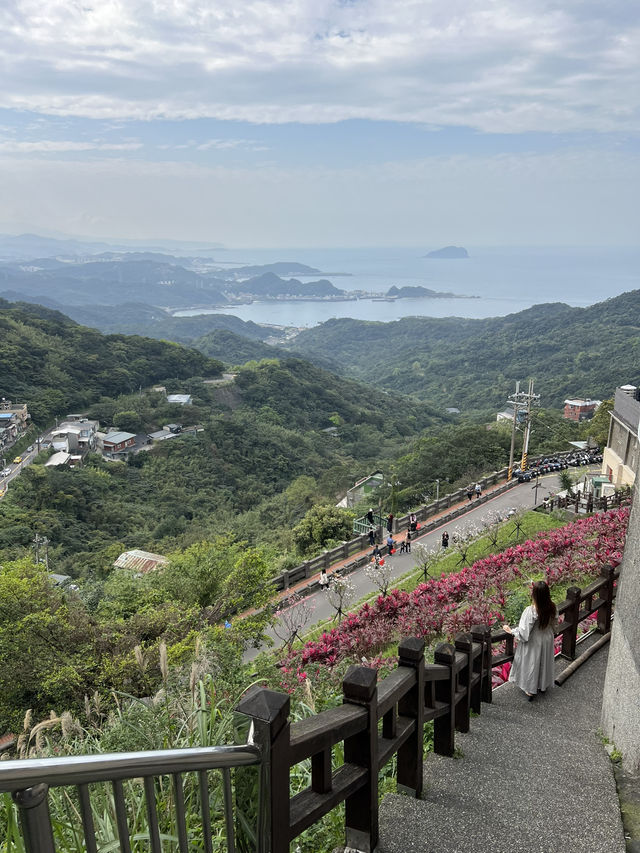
{"x": 502, "y": 280}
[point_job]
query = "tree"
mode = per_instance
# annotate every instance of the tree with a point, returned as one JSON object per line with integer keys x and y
{"x": 380, "y": 574}
{"x": 222, "y": 576}
{"x": 340, "y": 594}
{"x": 291, "y": 619}
{"x": 320, "y": 525}
{"x": 598, "y": 427}
{"x": 41, "y": 632}
{"x": 128, "y": 421}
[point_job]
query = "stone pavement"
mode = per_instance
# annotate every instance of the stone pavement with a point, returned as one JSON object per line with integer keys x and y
{"x": 532, "y": 777}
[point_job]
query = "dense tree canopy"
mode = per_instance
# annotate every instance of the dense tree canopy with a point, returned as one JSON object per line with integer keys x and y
{"x": 57, "y": 366}
{"x": 474, "y": 364}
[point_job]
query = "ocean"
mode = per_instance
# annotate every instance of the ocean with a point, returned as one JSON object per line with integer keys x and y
{"x": 501, "y": 280}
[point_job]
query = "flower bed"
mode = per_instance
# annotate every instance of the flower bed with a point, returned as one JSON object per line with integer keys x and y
{"x": 477, "y": 594}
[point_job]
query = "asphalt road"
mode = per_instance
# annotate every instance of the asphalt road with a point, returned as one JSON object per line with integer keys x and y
{"x": 16, "y": 470}
{"x": 522, "y": 496}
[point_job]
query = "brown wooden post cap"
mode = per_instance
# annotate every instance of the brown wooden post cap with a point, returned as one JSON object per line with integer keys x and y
{"x": 411, "y": 649}
{"x": 444, "y": 653}
{"x": 359, "y": 684}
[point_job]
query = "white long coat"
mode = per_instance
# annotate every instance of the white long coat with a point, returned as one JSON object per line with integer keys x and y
{"x": 532, "y": 667}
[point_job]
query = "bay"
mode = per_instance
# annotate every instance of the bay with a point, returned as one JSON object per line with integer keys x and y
{"x": 502, "y": 280}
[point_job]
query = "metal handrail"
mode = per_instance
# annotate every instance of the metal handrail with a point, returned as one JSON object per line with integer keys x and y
{"x": 29, "y": 781}
{"x": 106, "y": 767}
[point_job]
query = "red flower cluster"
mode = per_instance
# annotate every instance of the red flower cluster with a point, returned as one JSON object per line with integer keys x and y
{"x": 475, "y": 595}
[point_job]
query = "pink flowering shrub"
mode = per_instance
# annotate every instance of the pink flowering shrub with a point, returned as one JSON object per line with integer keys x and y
{"x": 476, "y": 594}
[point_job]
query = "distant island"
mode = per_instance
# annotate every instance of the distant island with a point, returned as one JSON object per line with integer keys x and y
{"x": 448, "y": 252}
{"x": 279, "y": 268}
{"x": 271, "y": 286}
{"x": 420, "y": 292}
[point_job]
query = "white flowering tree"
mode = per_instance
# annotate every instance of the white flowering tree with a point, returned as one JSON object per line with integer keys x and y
{"x": 379, "y": 574}
{"x": 427, "y": 559}
{"x": 340, "y": 593}
{"x": 292, "y": 618}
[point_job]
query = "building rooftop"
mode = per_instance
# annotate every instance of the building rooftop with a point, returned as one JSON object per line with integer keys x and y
{"x": 118, "y": 437}
{"x": 59, "y": 458}
{"x": 140, "y": 561}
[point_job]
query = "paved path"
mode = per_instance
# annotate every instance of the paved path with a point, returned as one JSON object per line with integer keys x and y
{"x": 520, "y": 496}
{"x": 533, "y": 777}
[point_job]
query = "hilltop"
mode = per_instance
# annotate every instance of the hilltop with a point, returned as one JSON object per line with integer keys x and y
{"x": 472, "y": 364}
{"x": 56, "y": 365}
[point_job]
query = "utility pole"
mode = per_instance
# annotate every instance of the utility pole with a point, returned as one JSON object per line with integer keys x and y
{"x": 514, "y": 401}
{"x": 37, "y": 543}
{"x": 532, "y": 399}
{"x": 521, "y": 400}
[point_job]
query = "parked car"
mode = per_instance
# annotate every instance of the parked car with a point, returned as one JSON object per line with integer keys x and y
{"x": 17, "y": 460}
{"x": 6, "y": 472}
{"x": 30, "y": 448}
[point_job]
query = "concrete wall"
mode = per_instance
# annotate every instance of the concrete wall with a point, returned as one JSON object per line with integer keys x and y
{"x": 621, "y": 701}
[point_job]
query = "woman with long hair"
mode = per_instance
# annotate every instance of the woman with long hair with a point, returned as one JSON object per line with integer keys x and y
{"x": 532, "y": 668}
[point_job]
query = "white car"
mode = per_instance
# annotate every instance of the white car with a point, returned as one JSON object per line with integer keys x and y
{"x": 6, "y": 472}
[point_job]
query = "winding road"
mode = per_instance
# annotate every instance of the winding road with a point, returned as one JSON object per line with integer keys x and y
{"x": 521, "y": 496}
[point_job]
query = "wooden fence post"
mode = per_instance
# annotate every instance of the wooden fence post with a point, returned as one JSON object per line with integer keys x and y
{"x": 269, "y": 712}
{"x": 444, "y": 726}
{"x": 482, "y": 634}
{"x": 464, "y": 644}
{"x": 571, "y": 615}
{"x": 361, "y": 808}
{"x": 410, "y": 754}
{"x": 604, "y": 612}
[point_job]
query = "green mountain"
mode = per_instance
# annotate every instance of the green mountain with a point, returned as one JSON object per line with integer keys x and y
{"x": 269, "y": 285}
{"x": 110, "y": 282}
{"x": 473, "y": 364}
{"x": 57, "y": 366}
{"x": 138, "y": 318}
{"x": 234, "y": 348}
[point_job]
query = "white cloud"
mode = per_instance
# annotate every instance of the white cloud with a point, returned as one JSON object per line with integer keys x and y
{"x": 525, "y": 65}
{"x": 47, "y": 146}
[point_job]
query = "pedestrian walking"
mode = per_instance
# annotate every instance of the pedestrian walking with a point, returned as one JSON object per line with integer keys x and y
{"x": 390, "y": 523}
{"x": 407, "y": 542}
{"x": 532, "y": 669}
{"x": 370, "y": 517}
{"x": 478, "y": 490}
{"x": 413, "y": 521}
{"x": 372, "y": 536}
{"x": 445, "y": 539}
{"x": 469, "y": 492}
{"x": 324, "y": 579}
{"x": 390, "y": 543}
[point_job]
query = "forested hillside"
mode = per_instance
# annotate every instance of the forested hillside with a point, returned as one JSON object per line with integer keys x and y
{"x": 234, "y": 347}
{"x": 474, "y": 364}
{"x": 56, "y": 366}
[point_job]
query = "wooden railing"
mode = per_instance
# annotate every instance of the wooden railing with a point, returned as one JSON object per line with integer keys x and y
{"x": 588, "y": 503}
{"x": 380, "y": 720}
{"x": 376, "y": 721}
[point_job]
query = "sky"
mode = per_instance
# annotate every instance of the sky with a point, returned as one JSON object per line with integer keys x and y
{"x": 320, "y": 123}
